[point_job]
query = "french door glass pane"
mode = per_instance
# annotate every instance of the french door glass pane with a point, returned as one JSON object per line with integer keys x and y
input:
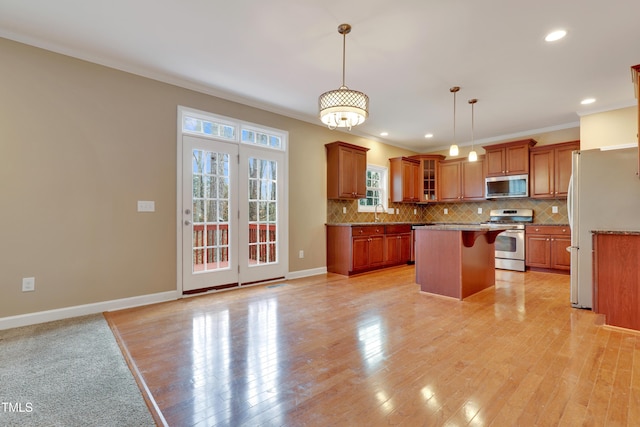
{"x": 263, "y": 198}
{"x": 210, "y": 211}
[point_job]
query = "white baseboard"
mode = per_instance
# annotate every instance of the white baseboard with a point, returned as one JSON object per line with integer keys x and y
{"x": 306, "y": 273}
{"x": 83, "y": 310}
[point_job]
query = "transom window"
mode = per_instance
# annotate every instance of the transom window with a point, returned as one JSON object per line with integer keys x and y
{"x": 220, "y": 128}
{"x": 376, "y": 189}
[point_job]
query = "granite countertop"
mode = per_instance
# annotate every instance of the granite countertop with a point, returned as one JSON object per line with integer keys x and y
{"x": 620, "y": 232}
{"x": 466, "y": 227}
{"x": 360, "y": 224}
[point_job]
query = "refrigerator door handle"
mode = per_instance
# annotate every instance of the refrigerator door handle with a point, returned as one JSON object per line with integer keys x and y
{"x": 570, "y": 201}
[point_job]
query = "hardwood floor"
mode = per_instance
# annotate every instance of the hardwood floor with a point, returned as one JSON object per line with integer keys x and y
{"x": 372, "y": 350}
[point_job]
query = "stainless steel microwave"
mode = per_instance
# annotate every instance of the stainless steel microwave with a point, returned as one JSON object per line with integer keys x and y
{"x": 499, "y": 187}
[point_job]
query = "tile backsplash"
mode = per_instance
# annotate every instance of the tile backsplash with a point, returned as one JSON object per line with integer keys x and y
{"x": 463, "y": 212}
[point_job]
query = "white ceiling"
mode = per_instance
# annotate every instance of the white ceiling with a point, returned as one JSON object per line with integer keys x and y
{"x": 280, "y": 55}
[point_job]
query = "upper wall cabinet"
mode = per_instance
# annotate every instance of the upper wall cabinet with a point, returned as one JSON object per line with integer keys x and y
{"x": 346, "y": 171}
{"x": 551, "y": 170}
{"x": 405, "y": 179}
{"x": 461, "y": 180}
{"x": 428, "y": 176}
{"x": 511, "y": 158}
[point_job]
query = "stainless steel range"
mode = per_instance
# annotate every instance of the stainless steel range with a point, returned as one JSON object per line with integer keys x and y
{"x": 510, "y": 244}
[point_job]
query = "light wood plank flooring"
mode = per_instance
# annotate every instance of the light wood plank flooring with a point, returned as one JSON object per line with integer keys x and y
{"x": 373, "y": 350}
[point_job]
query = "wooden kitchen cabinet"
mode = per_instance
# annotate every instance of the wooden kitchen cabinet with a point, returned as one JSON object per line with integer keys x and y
{"x": 405, "y": 176}
{"x": 368, "y": 252}
{"x": 461, "y": 180}
{"x": 346, "y": 171}
{"x": 546, "y": 247}
{"x": 353, "y": 249}
{"x": 616, "y": 278}
{"x": 550, "y": 167}
{"x": 397, "y": 244}
{"x": 428, "y": 176}
{"x": 510, "y": 158}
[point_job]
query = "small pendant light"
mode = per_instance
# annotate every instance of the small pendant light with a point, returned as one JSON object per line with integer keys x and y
{"x": 473, "y": 156}
{"x": 453, "y": 150}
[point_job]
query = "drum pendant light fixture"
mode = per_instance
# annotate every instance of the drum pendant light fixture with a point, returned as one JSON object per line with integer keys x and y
{"x": 473, "y": 156}
{"x": 453, "y": 150}
{"x": 343, "y": 108}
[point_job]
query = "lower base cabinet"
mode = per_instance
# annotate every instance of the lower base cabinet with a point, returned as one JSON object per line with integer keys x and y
{"x": 616, "y": 278}
{"x": 353, "y": 249}
{"x": 546, "y": 247}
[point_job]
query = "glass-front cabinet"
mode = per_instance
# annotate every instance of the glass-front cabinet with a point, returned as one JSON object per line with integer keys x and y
{"x": 429, "y": 166}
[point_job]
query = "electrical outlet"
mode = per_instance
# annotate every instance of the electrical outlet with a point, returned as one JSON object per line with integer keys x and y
{"x": 415, "y": 211}
{"x": 301, "y": 254}
{"x": 344, "y": 209}
{"x": 554, "y": 209}
{"x": 479, "y": 210}
{"x": 397, "y": 211}
{"x": 28, "y": 284}
{"x": 446, "y": 211}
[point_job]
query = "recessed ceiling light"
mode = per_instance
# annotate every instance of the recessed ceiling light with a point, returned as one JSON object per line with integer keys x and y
{"x": 429, "y": 135}
{"x": 587, "y": 101}
{"x": 555, "y": 35}
{"x": 384, "y": 133}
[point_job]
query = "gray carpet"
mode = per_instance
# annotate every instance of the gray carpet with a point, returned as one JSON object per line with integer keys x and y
{"x": 67, "y": 373}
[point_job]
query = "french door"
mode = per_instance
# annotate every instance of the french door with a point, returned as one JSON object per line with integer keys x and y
{"x": 232, "y": 228}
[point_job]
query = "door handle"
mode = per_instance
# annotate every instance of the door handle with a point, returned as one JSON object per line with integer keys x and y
{"x": 187, "y": 222}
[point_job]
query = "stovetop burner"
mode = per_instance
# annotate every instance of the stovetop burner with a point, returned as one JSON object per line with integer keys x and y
{"x": 510, "y": 216}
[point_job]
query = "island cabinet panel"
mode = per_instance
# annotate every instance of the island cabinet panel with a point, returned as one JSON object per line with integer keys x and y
{"x": 461, "y": 180}
{"x": 546, "y": 247}
{"x": 616, "y": 278}
{"x": 511, "y": 158}
{"x": 346, "y": 171}
{"x": 405, "y": 179}
{"x": 361, "y": 248}
{"x": 453, "y": 264}
{"x": 551, "y": 170}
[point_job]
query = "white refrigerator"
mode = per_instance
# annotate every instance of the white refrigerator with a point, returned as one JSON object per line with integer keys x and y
{"x": 604, "y": 194}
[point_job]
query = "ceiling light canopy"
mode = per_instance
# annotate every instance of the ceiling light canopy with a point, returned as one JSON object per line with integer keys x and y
{"x": 343, "y": 107}
{"x": 555, "y": 35}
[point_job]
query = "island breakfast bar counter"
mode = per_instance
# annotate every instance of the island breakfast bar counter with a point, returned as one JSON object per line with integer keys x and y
{"x": 456, "y": 260}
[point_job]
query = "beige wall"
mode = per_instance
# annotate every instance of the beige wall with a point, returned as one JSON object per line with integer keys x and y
{"x": 80, "y": 144}
{"x": 609, "y": 128}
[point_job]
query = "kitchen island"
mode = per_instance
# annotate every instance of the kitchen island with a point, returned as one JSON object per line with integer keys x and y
{"x": 456, "y": 260}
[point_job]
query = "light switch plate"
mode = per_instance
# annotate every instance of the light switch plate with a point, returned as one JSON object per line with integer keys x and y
{"x": 28, "y": 284}
{"x": 146, "y": 206}
{"x": 446, "y": 211}
{"x": 479, "y": 210}
{"x": 554, "y": 209}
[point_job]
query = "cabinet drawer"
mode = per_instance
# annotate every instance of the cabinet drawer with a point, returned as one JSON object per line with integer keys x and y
{"x": 367, "y": 230}
{"x": 557, "y": 230}
{"x": 398, "y": 228}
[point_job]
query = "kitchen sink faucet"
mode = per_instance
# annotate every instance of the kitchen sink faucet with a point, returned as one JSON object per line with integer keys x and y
{"x": 375, "y": 212}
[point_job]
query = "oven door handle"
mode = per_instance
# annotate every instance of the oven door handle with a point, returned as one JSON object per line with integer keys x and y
{"x": 513, "y": 231}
